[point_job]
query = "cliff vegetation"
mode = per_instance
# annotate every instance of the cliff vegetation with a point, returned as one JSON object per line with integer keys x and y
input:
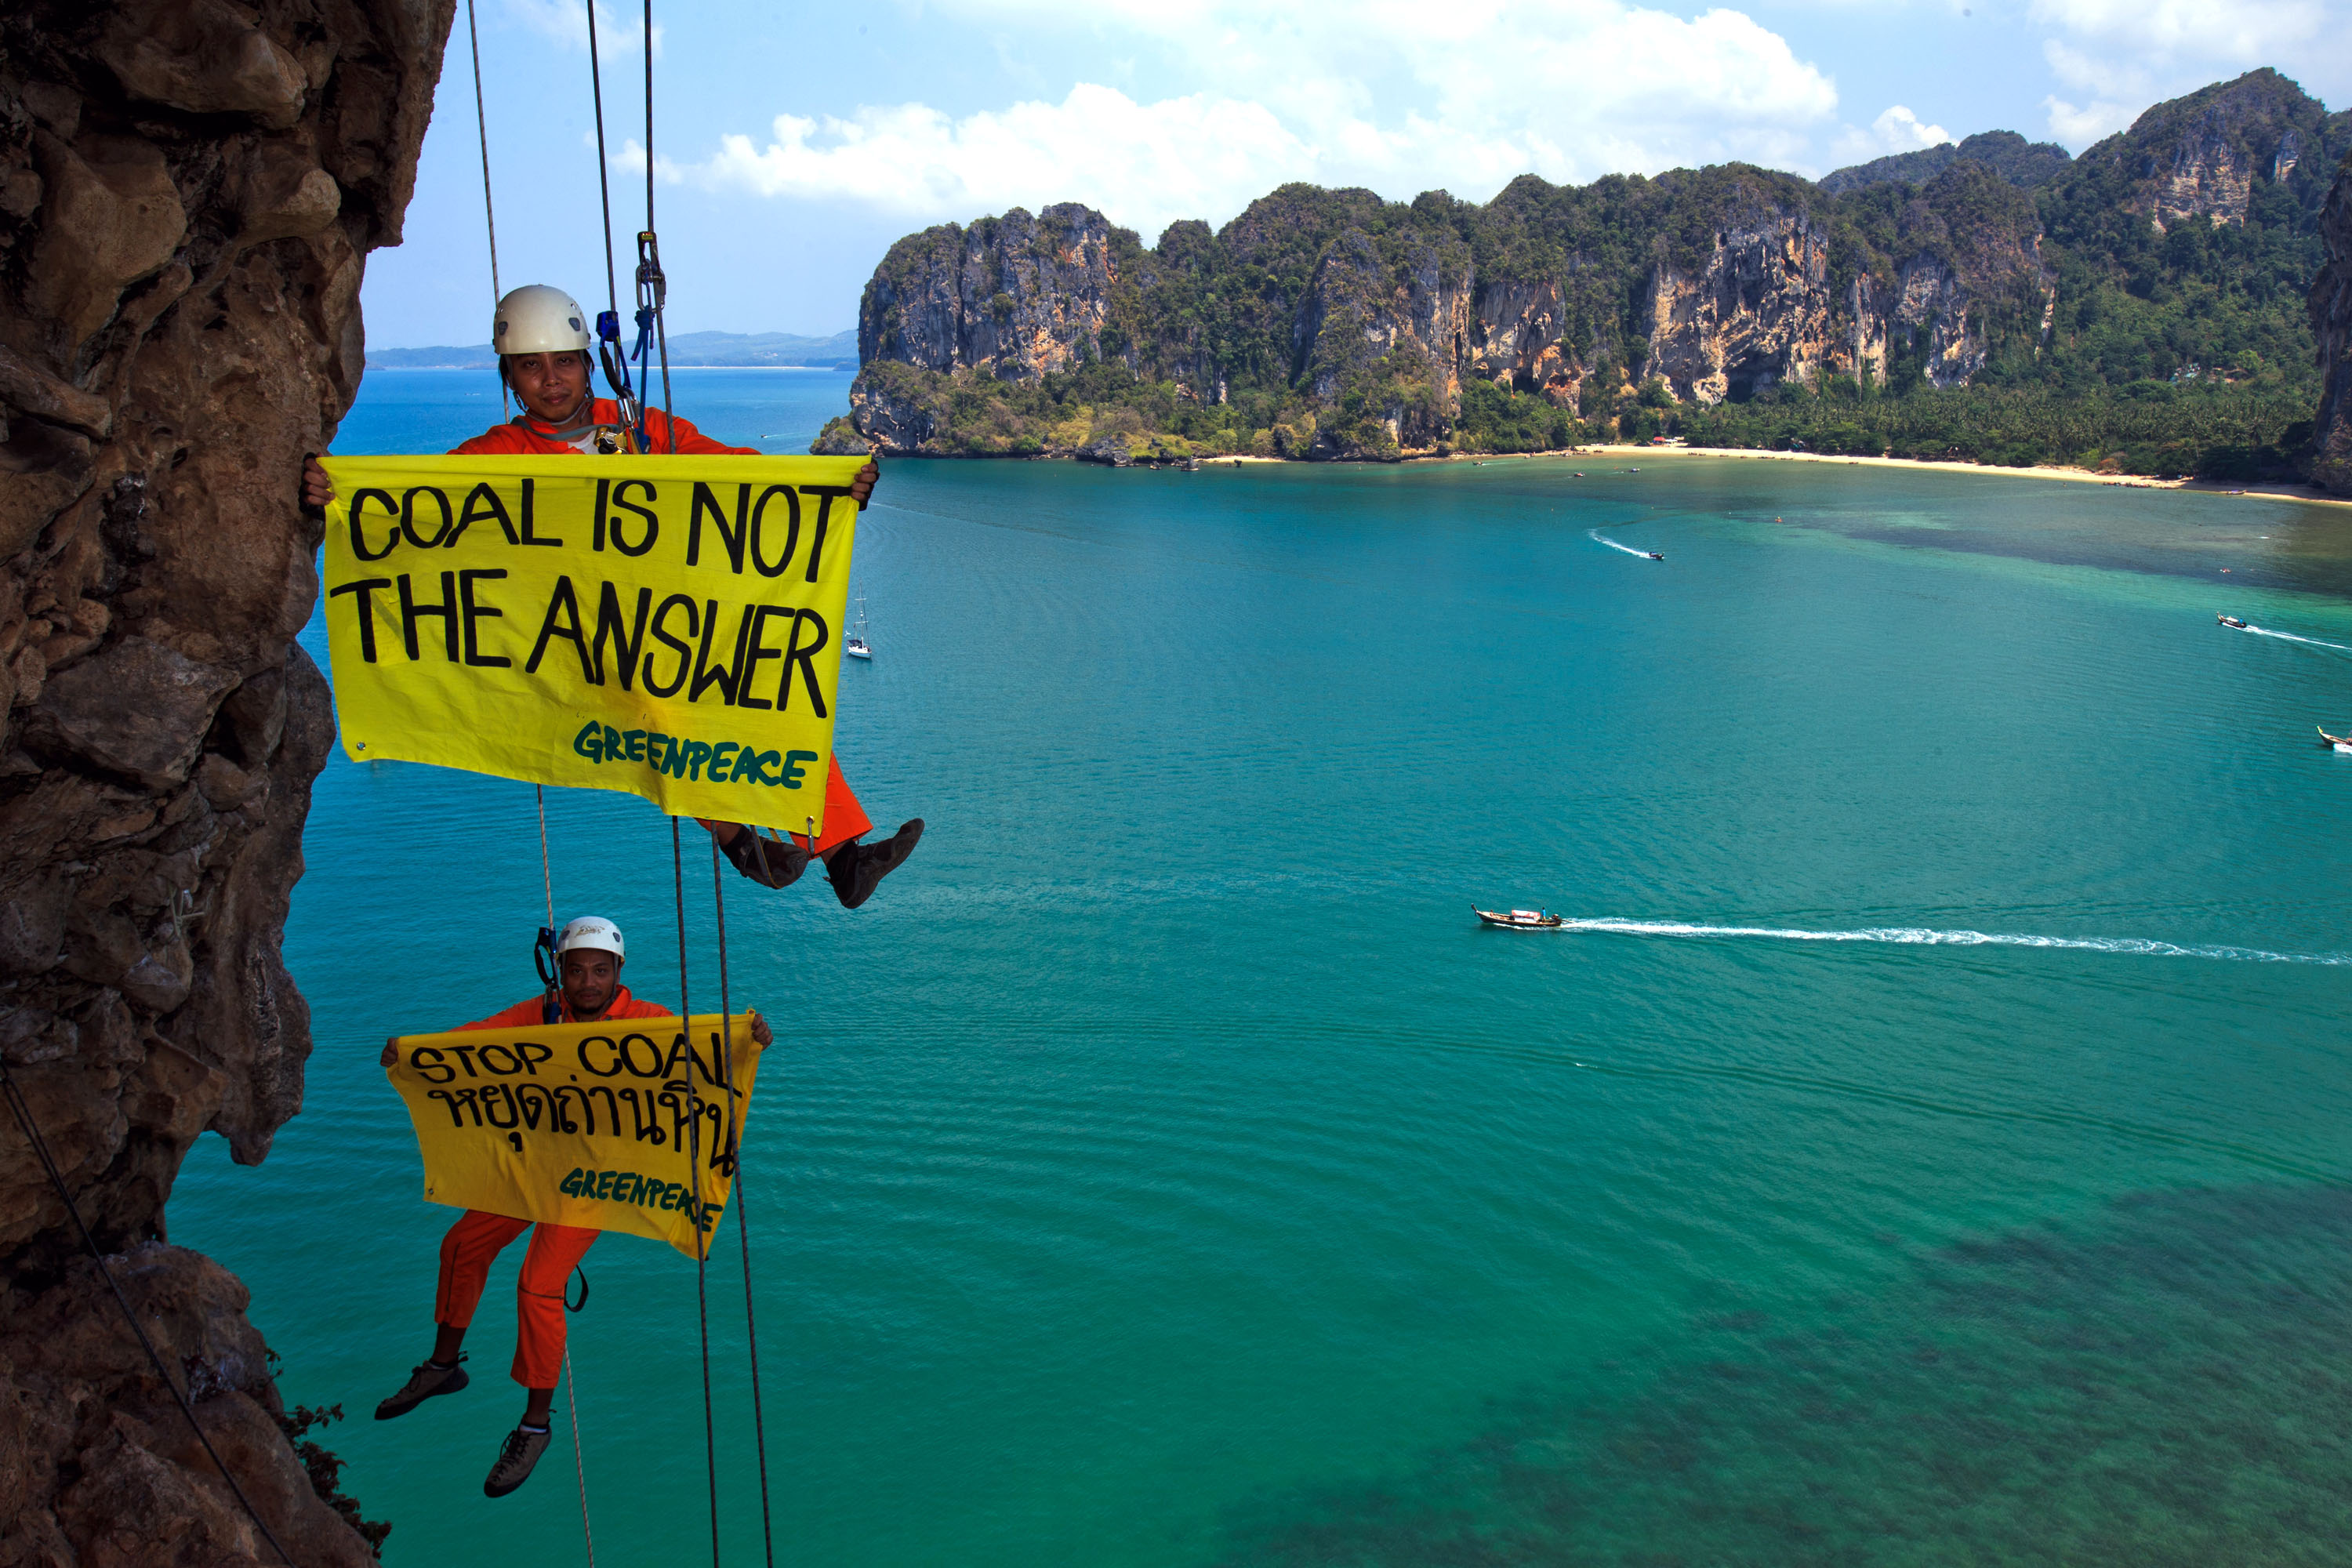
{"x": 2144, "y": 303}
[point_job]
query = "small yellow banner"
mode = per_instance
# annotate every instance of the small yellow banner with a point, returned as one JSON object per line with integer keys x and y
{"x": 666, "y": 626}
{"x": 621, "y": 1125}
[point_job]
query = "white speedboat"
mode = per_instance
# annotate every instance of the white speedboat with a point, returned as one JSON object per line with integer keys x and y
{"x": 1519, "y": 919}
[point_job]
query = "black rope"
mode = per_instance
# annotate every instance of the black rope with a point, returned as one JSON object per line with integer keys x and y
{"x": 661, "y": 331}
{"x": 694, "y": 1156}
{"x": 603, "y": 170}
{"x": 57, "y": 1178}
{"x": 649, "y": 112}
{"x": 482, "y": 123}
{"x": 489, "y": 216}
{"x": 742, "y": 1215}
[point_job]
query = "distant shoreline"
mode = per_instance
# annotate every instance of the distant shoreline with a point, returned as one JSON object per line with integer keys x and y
{"x": 2039, "y": 471}
{"x": 2255, "y": 491}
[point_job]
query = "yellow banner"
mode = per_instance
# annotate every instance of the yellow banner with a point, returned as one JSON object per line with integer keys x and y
{"x": 612, "y": 1126}
{"x": 666, "y": 626}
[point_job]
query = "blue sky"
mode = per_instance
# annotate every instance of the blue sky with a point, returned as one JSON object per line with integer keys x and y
{"x": 792, "y": 144}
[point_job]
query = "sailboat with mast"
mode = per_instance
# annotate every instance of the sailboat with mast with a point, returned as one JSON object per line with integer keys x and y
{"x": 856, "y": 645}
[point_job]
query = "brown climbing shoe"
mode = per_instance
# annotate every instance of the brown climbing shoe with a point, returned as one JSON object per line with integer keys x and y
{"x": 517, "y": 1456}
{"x": 423, "y": 1383}
{"x": 858, "y": 868}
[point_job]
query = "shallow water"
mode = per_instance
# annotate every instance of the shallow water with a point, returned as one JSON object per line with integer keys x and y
{"x": 1920, "y": 1153}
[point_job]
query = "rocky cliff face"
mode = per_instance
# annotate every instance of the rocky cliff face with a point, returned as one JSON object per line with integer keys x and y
{"x": 1371, "y": 318}
{"x": 1334, "y": 324}
{"x": 1013, "y": 296}
{"x": 2200, "y": 157}
{"x": 188, "y": 191}
{"x": 1758, "y": 310}
{"x": 2331, "y": 319}
{"x": 1382, "y": 339}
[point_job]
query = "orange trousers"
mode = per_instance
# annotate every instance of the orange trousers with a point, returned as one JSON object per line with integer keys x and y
{"x": 466, "y": 1254}
{"x": 845, "y": 819}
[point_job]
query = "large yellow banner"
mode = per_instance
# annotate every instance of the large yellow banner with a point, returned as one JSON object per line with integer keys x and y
{"x": 632, "y": 1125}
{"x": 668, "y": 625}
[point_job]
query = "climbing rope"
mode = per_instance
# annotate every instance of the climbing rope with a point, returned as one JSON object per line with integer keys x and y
{"x": 653, "y": 289}
{"x": 604, "y": 167}
{"x": 490, "y": 216}
{"x": 742, "y": 1214}
{"x": 608, "y": 321}
{"x": 25, "y": 1119}
{"x": 571, "y": 1382}
{"x": 694, "y": 1156}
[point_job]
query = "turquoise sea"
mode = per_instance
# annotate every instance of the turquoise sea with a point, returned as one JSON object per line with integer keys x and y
{"x": 1936, "y": 1153}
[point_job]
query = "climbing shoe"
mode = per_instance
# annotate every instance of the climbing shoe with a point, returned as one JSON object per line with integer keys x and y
{"x": 517, "y": 1456}
{"x": 769, "y": 862}
{"x": 423, "y": 1383}
{"x": 856, "y": 869}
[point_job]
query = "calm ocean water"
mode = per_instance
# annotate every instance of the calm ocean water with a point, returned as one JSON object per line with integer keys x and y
{"x": 1165, "y": 1170}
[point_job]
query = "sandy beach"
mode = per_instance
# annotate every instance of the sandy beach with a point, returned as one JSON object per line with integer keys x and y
{"x": 2303, "y": 493}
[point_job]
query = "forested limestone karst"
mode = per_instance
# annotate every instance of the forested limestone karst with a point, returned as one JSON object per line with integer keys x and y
{"x": 1325, "y": 323}
{"x": 2331, "y": 323}
{"x": 188, "y": 189}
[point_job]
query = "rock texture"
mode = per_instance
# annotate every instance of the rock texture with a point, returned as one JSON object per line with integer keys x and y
{"x": 2200, "y": 157}
{"x": 1375, "y": 316}
{"x": 2331, "y": 319}
{"x": 1334, "y": 324}
{"x": 188, "y": 191}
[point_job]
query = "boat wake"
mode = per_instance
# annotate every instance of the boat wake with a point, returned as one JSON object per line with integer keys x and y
{"x": 1908, "y": 936}
{"x": 2289, "y": 636}
{"x": 1595, "y": 534}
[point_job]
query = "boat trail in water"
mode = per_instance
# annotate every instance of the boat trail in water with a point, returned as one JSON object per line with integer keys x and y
{"x": 1909, "y": 936}
{"x": 2289, "y": 636}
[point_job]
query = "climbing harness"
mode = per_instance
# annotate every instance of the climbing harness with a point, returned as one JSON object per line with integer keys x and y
{"x": 40, "y": 1145}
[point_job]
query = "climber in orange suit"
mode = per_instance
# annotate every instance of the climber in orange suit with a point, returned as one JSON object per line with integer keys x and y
{"x": 542, "y": 336}
{"x": 589, "y": 955}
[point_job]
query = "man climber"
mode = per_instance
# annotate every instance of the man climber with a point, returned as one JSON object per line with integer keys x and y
{"x": 541, "y": 337}
{"x": 589, "y": 954}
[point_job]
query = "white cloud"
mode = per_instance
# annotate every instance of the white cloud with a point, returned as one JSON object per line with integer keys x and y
{"x": 2124, "y": 54}
{"x": 1145, "y": 163}
{"x": 618, "y": 32}
{"x": 1373, "y": 94}
{"x": 2094, "y": 121}
{"x": 2206, "y": 32}
{"x": 1898, "y": 130}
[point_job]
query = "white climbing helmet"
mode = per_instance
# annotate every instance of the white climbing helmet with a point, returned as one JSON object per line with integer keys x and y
{"x": 537, "y": 320}
{"x": 595, "y": 933}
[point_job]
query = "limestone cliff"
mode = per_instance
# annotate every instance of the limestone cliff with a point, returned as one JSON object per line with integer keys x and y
{"x": 188, "y": 191}
{"x": 1333, "y": 324}
{"x": 2331, "y": 319}
{"x": 2202, "y": 156}
{"x": 1373, "y": 318}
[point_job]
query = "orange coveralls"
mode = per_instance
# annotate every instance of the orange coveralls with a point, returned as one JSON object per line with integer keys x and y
{"x": 845, "y": 819}
{"x": 476, "y": 1237}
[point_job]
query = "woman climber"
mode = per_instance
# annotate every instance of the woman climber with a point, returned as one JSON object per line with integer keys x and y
{"x": 544, "y": 351}
{"x": 589, "y": 954}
